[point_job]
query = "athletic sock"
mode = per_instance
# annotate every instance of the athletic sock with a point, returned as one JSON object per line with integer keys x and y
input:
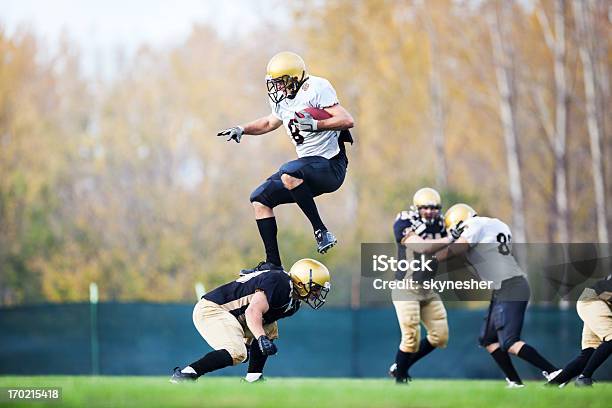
{"x": 599, "y": 356}
{"x": 502, "y": 359}
{"x": 402, "y": 359}
{"x": 574, "y": 367}
{"x": 304, "y": 199}
{"x": 532, "y": 356}
{"x": 212, "y": 361}
{"x": 425, "y": 348}
{"x": 257, "y": 360}
{"x": 268, "y": 229}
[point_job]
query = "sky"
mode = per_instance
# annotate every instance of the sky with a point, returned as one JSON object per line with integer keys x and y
{"x": 102, "y": 27}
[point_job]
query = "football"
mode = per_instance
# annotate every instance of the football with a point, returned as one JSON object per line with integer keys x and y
{"x": 316, "y": 113}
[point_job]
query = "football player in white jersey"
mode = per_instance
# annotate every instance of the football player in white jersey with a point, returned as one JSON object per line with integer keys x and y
{"x": 322, "y": 162}
{"x": 487, "y": 245}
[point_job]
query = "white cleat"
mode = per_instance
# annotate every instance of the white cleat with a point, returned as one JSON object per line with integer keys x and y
{"x": 551, "y": 376}
{"x": 393, "y": 370}
{"x": 513, "y": 384}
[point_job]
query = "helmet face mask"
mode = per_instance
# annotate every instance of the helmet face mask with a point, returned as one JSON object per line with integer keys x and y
{"x": 316, "y": 295}
{"x": 283, "y": 87}
{"x": 429, "y": 213}
{"x": 428, "y": 203}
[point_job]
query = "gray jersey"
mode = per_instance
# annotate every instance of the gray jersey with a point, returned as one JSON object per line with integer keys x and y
{"x": 316, "y": 92}
{"x": 490, "y": 250}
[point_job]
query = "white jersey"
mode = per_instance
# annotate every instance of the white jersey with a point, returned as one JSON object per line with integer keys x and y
{"x": 315, "y": 92}
{"x": 490, "y": 250}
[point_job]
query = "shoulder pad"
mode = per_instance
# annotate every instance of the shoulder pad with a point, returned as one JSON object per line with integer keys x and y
{"x": 402, "y": 215}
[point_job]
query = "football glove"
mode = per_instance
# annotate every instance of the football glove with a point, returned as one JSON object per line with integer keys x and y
{"x": 456, "y": 232}
{"x": 416, "y": 223}
{"x": 305, "y": 122}
{"x": 233, "y": 133}
{"x": 603, "y": 289}
{"x": 266, "y": 346}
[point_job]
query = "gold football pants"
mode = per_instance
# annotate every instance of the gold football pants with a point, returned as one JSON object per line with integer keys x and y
{"x": 221, "y": 330}
{"x": 597, "y": 318}
{"x": 433, "y": 315}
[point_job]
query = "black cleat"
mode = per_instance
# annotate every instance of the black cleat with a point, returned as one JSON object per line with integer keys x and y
{"x": 325, "y": 240}
{"x": 393, "y": 374}
{"x": 403, "y": 380}
{"x": 583, "y": 381}
{"x": 262, "y": 266}
{"x": 178, "y": 376}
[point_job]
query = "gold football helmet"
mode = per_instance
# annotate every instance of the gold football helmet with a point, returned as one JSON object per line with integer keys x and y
{"x": 285, "y": 73}
{"x": 427, "y": 196}
{"x": 311, "y": 281}
{"x": 458, "y": 213}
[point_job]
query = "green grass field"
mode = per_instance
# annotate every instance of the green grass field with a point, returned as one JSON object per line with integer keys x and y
{"x": 304, "y": 392}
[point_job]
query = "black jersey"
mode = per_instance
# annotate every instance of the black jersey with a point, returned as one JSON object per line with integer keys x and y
{"x": 603, "y": 288}
{"x": 433, "y": 230}
{"x": 236, "y": 296}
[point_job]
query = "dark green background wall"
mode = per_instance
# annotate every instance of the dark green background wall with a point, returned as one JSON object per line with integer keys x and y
{"x": 151, "y": 339}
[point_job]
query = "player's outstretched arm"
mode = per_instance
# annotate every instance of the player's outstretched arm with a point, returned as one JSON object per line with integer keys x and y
{"x": 256, "y": 127}
{"x": 341, "y": 119}
{"x": 459, "y": 247}
{"x": 424, "y": 246}
{"x": 262, "y": 125}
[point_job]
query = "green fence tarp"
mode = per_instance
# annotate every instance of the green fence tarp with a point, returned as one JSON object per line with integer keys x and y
{"x": 151, "y": 339}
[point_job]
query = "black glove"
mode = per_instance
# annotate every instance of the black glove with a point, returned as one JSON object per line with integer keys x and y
{"x": 266, "y": 346}
{"x": 234, "y": 133}
{"x": 603, "y": 289}
{"x": 457, "y": 231}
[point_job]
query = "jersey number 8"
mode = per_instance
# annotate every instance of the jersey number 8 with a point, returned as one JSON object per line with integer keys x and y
{"x": 505, "y": 241}
{"x": 295, "y": 132}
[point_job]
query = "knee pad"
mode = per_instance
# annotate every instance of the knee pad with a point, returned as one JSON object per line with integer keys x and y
{"x": 239, "y": 354}
{"x": 438, "y": 335}
{"x": 259, "y": 194}
{"x": 410, "y": 329}
{"x": 290, "y": 170}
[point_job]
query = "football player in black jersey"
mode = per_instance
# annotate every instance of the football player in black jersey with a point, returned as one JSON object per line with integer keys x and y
{"x": 413, "y": 306}
{"x": 243, "y": 313}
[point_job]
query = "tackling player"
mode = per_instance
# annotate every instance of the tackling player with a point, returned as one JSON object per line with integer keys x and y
{"x": 422, "y": 222}
{"x": 487, "y": 245}
{"x": 595, "y": 309}
{"x": 244, "y": 313}
{"x": 322, "y": 162}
